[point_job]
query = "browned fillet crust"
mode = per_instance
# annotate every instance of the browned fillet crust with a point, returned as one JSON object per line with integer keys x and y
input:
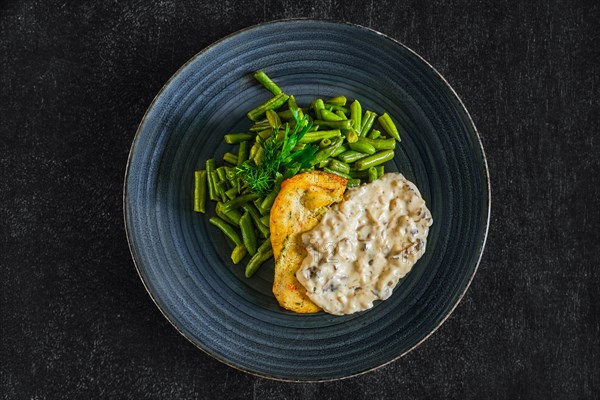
{"x": 299, "y": 206}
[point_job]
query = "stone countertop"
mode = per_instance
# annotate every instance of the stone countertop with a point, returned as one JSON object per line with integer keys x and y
{"x": 76, "y": 79}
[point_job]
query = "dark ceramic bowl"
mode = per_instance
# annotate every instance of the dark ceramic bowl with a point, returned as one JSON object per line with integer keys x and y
{"x": 184, "y": 261}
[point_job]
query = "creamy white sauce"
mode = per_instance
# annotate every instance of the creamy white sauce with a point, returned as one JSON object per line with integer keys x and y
{"x": 364, "y": 245}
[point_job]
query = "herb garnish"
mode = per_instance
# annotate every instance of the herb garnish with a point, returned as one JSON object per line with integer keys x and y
{"x": 279, "y": 160}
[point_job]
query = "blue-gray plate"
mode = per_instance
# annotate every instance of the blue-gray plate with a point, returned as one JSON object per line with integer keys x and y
{"x": 184, "y": 261}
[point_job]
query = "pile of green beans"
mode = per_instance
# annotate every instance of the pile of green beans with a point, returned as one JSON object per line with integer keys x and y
{"x": 350, "y": 145}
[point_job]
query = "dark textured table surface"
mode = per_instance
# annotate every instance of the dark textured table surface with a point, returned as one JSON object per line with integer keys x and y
{"x": 75, "y": 80}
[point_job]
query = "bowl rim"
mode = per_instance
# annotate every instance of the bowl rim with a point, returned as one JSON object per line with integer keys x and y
{"x": 128, "y": 233}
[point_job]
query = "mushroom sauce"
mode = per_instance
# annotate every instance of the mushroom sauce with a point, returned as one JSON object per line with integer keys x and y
{"x": 364, "y": 245}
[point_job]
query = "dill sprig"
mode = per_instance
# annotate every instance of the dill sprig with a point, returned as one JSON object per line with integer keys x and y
{"x": 279, "y": 160}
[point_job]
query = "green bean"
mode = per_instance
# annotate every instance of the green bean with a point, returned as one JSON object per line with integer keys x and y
{"x": 358, "y": 174}
{"x": 222, "y": 173}
{"x": 273, "y": 118}
{"x": 317, "y": 106}
{"x": 372, "y": 174}
{"x": 235, "y": 216}
{"x": 351, "y": 136}
{"x": 338, "y": 173}
{"x": 265, "y": 246}
{"x": 231, "y": 216}
{"x": 266, "y": 220}
{"x": 280, "y": 135}
{"x": 367, "y": 122}
{"x": 329, "y": 116}
{"x": 311, "y": 137}
{"x": 337, "y": 101}
{"x": 235, "y": 138}
{"x": 248, "y": 234}
{"x": 292, "y": 105}
{"x": 353, "y": 183}
{"x": 324, "y": 143}
{"x": 335, "y": 108}
{"x": 291, "y": 125}
{"x": 341, "y": 114}
{"x": 380, "y": 144}
{"x": 339, "y": 150}
{"x": 285, "y": 115}
{"x": 388, "y": 125}
{"x": 374, "y": 134}
{"x": 222, "y": 187}
{"x": 356, "y": 115}
{"x": 271, "y": 104}
{"x": 299, "y": 146}
{"x": 267, "y": 82}
{"x": 325, "y": 153}
{"x": 363, "y": 147}
{"x": 239, "y": 201}
{"x": 215, "y": 179}
{"x": 231, "y": 193}
{"x": 344, "y": 110}
{"x": 211, "y": 165}
{"x": 259, "y": 155}
{"x": 264, "y": 135}
{"x": 238, "y": 253}
{"x": 200, "y": 191}
{"x": 256, "y": 261}
{"x": 346, "y": 124}
{"x": 243, "y": 152}
{"x": 261, "y": 126}
{"x": 257, "y": 203}
{"x": 365, "y": 173}
{"x": 233, "y": 179}
{"x": 351, "y": 156}
{"x": 256, "y": 216}
{"x": 291, "y": 170}
{"x": 230, "y": 158}
{"x": 338, "y": 165}
{"x": 374, "y": 160}
{"x": 226, "y": 229}
{"x": 267, "y": 202}
{"x": 229, "y": 173}
{"x": 254, "y": 149}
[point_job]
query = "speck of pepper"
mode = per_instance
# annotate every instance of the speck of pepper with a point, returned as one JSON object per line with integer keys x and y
{"x": 371, "y": 261}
